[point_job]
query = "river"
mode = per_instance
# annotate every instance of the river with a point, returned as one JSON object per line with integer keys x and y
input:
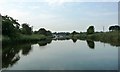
{"x": 60, "y": 55}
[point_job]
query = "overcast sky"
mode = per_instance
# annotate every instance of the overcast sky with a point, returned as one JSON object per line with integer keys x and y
{"x": 63, "y": 15}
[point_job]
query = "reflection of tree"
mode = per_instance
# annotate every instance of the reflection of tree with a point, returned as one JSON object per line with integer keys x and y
{"x": 44, "y": 42}
{"x": 27, "y": 48}
{"x": 10, "y": 54}
{"x": 91, "y": 44}
{"x": 9, "y": 57}
{"x": 49, "y": 41}
{"x": 74, "y": 40}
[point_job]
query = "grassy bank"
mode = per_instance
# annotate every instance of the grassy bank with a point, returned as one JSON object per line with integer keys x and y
{"x": 24, "y": 38}
{"x": 112, "y": 37}
{"x": 108, "y": 37}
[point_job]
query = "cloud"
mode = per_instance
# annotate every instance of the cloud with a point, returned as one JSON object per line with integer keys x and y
{"x": 59, "y": 2}
{"x": 101, "y": 14}
{"x": 34, "y": 7}
{"x": 47, "y": 16}
{"x": 42, "y": 16}
{"x": 53, "y": 1}
{"x": 20, "y": 15}
{"x": 3, "y": 2}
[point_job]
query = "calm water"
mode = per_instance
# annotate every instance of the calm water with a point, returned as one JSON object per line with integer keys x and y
{"x": 61, "y": 55}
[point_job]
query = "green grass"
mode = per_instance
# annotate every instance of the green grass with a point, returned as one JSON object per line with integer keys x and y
{"x": 0, "y": 37}
{"x": 112, "y": 37}
{"x": 24, "y": 38}
{"x": 108, "y": 37}
{"x": 32, "y": 37}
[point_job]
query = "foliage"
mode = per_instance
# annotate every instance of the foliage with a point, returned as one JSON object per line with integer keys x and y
{"x": 23, "y": 38}
{"x": 49, "y": 33}
{"x": 90, "y": 30}
{"x": 11, "y": 31}
{"x": 9, "y": 26}
{"x": 43, "y": 32}
{"x": 26, "y": 29}
{"x": 107, "y": 37}
{"x": 114, "y": 28}
{"x": 74, "y": 32}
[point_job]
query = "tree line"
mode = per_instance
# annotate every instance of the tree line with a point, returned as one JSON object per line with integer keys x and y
{"x": 12, "y": 28}
{"x": 91, "y": 29}
{"x": 114, "y": 28}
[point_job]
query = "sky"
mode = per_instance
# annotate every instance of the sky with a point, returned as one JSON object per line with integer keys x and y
{"x": 63, "y": 15}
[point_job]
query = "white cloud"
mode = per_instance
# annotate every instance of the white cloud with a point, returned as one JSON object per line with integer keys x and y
{"x": 47, "y": 16}
{"x": 3, "y": 2}
{"x": 33, "y": 7}
{"x": 61, "y": 2}
{"x": 44, "y": 19}
{"x": 52, "y": 1}
{"x": 98, "y": 14}
{"x": 56, "y": 2}
{"x": 21, "y": 16}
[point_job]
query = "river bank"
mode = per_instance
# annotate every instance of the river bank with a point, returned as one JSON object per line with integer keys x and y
{"x": 24, "y": 39}
{"x": 112, "y": 37}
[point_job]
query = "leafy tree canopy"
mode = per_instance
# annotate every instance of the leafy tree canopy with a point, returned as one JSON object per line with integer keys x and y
{"x": 26, "y": 29}
{"x": 9, "y": 26}
{"x": 90, "y": 30}
{"x": 114, "y": 28}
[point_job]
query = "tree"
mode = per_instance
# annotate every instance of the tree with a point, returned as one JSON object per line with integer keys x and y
{"x": 26, "y": 29}
{"x": 74, "y": 32}
{"x": 90, "y": 30}
{"x": 114, "y": 28}
{"x": 0, "y": 24}
{"x": 9, "y": 26}
{"x": 49, "y": 33}
{"x": 35, "y": 32}
{"x": 42, "y": 31}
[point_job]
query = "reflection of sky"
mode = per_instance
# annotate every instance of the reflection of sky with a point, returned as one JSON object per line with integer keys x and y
{"x": 64, "y": 16}
{"x": 67, "y": 55}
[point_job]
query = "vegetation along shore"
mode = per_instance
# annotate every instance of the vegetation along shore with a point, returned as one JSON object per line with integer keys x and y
{"x": 14, "y": 32}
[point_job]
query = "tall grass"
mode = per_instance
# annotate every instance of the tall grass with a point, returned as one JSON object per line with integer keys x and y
{"x": 112, "y": 37}
{"x": 23, "y": 38}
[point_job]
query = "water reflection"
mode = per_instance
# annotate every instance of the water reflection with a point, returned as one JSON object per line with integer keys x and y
{"x": 61, "y": 39}
{"x": 91, "y": 44}
{"x": 26, "y": 49}
{"x": 44, "y": 42}
{"x": 10, "y": 54}
{"x": 74, "y": 40}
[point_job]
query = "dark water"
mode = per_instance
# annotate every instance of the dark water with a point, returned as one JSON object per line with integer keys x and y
{"x": 61, "y": 55}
